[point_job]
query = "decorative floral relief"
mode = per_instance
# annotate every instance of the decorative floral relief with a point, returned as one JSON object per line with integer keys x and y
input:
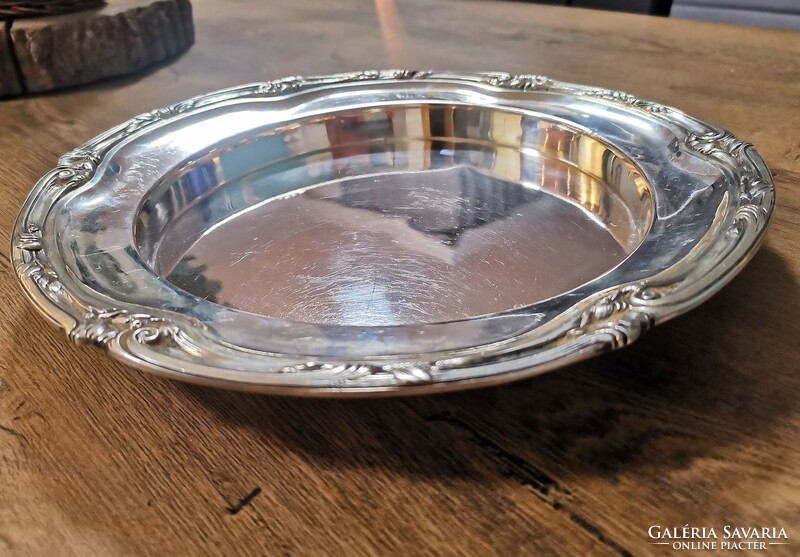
{"x": 32, "y": 268}
{"x": 102, "y": 326}
{"x": 524, "y": 82}
{"x": 756, "y": 189}
{"x": 280, "y": 86}
{"x": 624, "y": 98}
{"x": 97, "y": 326}
{"x": 47, "y": 281}
{"x": 631, "y": 320}
{"x": 403, "y": 373}
{"x": 31, "y": 239}
{"x": 149, "y": 118}
{"x": 712, "y": 141}
{"x": 76, "y": 167}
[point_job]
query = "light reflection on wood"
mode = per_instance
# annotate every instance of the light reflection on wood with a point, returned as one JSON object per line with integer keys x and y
{"x": 391, "y": 26}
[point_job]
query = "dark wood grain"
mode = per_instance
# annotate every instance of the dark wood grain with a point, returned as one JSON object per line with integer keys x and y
{"x": 698, "y": 423}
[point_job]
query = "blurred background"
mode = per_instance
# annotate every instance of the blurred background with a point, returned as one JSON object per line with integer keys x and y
{"x": 783, "y": 14}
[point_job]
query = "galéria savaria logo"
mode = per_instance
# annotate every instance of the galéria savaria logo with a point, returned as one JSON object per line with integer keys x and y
{"x": 728, "y": 537}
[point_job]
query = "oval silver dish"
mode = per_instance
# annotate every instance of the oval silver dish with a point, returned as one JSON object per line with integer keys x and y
{"x": 388, "y": 232}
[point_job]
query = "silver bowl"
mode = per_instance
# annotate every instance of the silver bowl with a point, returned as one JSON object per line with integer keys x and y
{"x": 388, "y": 232}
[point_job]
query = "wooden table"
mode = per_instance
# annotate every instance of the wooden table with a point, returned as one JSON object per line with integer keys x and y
{"x": 698, "y": 423}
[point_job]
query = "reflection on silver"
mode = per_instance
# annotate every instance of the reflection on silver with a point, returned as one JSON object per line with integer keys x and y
{"x": 391, "y": 249}
{"x": 388, "y": 231}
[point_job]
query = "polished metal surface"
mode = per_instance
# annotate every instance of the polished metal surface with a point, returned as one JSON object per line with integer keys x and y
{"x": 388, "y": 232}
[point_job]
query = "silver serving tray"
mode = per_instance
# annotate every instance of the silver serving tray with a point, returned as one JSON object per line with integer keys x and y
{"x": 388, "y": 231}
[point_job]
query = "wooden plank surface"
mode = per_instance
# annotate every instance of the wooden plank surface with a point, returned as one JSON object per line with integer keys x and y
{"x": 698, "y": 423}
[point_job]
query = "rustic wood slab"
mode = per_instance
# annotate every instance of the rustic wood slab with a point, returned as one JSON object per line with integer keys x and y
{"x": 120, "y": 38}
{"x": 10, "y": 84}
{"x": 698, "y": 422}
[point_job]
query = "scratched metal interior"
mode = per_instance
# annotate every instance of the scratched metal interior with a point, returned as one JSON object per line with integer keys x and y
{"x": 396, "y": 215}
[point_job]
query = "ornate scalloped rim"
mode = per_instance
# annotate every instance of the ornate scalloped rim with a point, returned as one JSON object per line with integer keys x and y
{"x": 612, "y": 319}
